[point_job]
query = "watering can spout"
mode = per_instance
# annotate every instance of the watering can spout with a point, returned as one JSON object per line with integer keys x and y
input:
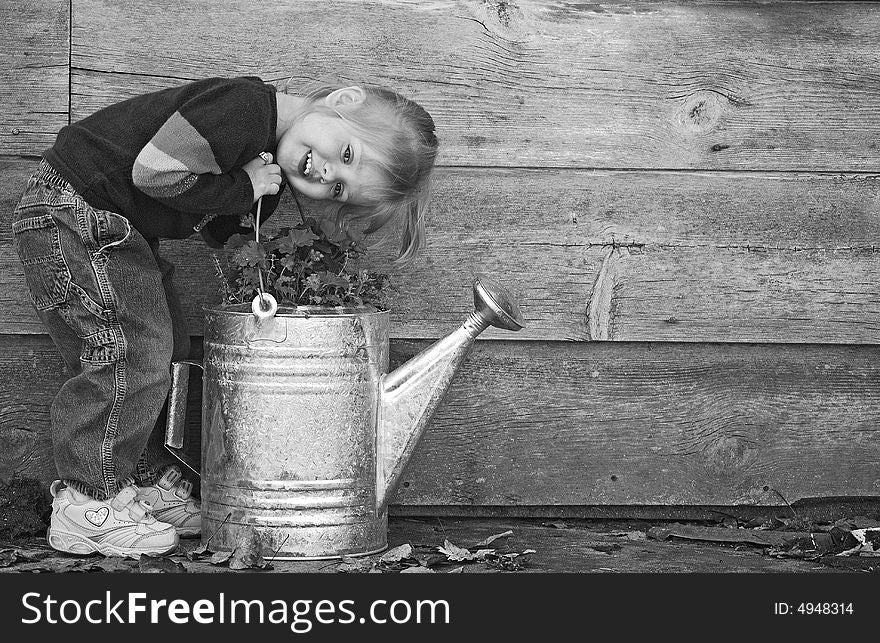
{"x": 410, "y": 395}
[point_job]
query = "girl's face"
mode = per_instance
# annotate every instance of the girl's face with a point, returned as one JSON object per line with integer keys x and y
{"x": 323, "y": 158}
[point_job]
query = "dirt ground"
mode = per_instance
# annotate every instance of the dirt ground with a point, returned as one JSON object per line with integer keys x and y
{"x": 451, "y": 545}
{"x": 823, "y": 538}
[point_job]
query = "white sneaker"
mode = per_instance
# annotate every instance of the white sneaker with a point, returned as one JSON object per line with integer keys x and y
{"x": 170, "y": 502}
{"x": 121, "y": 526}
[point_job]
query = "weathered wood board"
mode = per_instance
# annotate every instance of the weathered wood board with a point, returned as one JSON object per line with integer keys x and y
{"x": 644, "y": 423}
{"x": 34, "y": 73}
{"x": 631, "y": 256}
{"x": 557, "y": 423}
{"x": 721, "y": 85}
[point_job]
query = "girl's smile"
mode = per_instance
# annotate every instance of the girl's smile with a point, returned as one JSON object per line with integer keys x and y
{"x": 323, "y": 159}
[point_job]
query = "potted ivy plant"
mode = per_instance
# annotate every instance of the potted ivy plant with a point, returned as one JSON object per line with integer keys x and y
{"x": 308, "y": 264}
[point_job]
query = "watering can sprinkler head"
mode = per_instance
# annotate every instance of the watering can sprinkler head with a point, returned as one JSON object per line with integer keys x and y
{"x": 495, "y": 305}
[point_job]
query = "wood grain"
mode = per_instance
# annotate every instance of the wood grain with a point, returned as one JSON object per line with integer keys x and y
{"x": 34, "y": 73}
{"x": 550, "y": 423}
{"x": 619, "y": 255}
{"x": 553, "y": 423}
{"x": 718, "y": 85}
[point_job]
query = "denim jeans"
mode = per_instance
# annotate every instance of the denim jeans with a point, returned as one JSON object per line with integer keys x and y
{"x": 105, "y": 297}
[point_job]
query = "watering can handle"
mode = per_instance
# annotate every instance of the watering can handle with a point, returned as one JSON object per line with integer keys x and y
{"x": 175, "y": 430}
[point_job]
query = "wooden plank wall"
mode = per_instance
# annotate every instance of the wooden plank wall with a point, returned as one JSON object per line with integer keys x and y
{"x": 682, "y": 196}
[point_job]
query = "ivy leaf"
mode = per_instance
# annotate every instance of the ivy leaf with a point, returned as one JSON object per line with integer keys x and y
{"x": 296, "y": 238}
{"x": 251, "y": 254}
{"x": 335, "y": 234}
{"x": 237, "y": 241}
{"x": 314, "y": 282}
{"x": 331, "y": 279}
{"x": 304, "y": 264}
{"x": 291, "y": 262}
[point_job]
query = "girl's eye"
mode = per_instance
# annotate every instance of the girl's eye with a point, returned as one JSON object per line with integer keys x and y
{"x": 337, "y": 189}
{"x": 346, "y": 154}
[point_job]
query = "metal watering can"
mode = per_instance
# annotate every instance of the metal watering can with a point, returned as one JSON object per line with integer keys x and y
{"x": 305, "y": 433}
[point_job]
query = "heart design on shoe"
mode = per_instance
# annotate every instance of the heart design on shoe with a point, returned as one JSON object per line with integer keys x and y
{"x": 98, "y": 517}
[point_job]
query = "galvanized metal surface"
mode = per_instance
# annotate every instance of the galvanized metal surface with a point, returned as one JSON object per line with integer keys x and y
{"x": 289, "y": 432}
{"x": 304, "y": 436}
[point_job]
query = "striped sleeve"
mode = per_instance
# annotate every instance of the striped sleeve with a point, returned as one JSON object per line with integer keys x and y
{"x": 170, "y": 163}
{"x": 193, "y": 162}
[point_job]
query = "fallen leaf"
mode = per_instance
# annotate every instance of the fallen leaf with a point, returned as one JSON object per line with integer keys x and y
{"x": 868, "y": 543}
{"x": 351, "y": 565}
{"x": 455, "y": 553}
{"x": 397, "y": 554}
{"x": 417, "y": 570}
{"x": 200, "y": 550}
{"x": 248, "y": 560}
{"x": 159, "y": 565}
{"x": 220, "y": 557}
{"x": 491, "y": 539}
{"x": 457, "y": 570}
{"x": 112, "y": 564}
{"x": 248, "y": 553}
{"x": 429, "y": 559}
{"x": 509, "y": 562}
{"x": 9, "y": 557}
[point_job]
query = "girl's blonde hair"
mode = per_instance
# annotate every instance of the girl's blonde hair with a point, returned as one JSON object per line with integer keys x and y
{"x": 404, "y": 145}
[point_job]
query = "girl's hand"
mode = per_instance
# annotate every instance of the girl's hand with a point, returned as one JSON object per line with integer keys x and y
{"x": 264, "y": 174}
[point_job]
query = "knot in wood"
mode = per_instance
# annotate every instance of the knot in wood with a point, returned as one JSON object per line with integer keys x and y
{"x": 701, "y": 111}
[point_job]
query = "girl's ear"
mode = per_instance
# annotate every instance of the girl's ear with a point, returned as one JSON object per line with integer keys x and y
{"x": 345, "y": 96}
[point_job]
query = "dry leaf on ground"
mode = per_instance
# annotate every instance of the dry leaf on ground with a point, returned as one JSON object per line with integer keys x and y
{"x": 397, "y": 554}
{"x": 455, "y": 553}
{"x": 159, "y": 565}
{"x": 351, "y": 565}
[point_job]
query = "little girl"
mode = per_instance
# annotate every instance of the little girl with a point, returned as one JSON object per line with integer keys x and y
{"x": 165, "y": 165}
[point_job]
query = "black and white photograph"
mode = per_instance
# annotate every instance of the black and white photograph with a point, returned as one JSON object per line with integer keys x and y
{"x": 578, "y": 300}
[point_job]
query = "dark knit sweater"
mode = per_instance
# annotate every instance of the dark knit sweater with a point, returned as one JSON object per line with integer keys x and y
{"x": 171, "y": 161}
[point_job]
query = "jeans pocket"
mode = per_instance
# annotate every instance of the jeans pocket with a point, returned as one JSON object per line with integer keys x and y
{"x": 37, "y": 240}
{"x": 111, "y": 230}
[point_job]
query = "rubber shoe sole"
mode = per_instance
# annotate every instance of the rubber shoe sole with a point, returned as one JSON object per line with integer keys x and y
{"x": 72, "y": 543}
